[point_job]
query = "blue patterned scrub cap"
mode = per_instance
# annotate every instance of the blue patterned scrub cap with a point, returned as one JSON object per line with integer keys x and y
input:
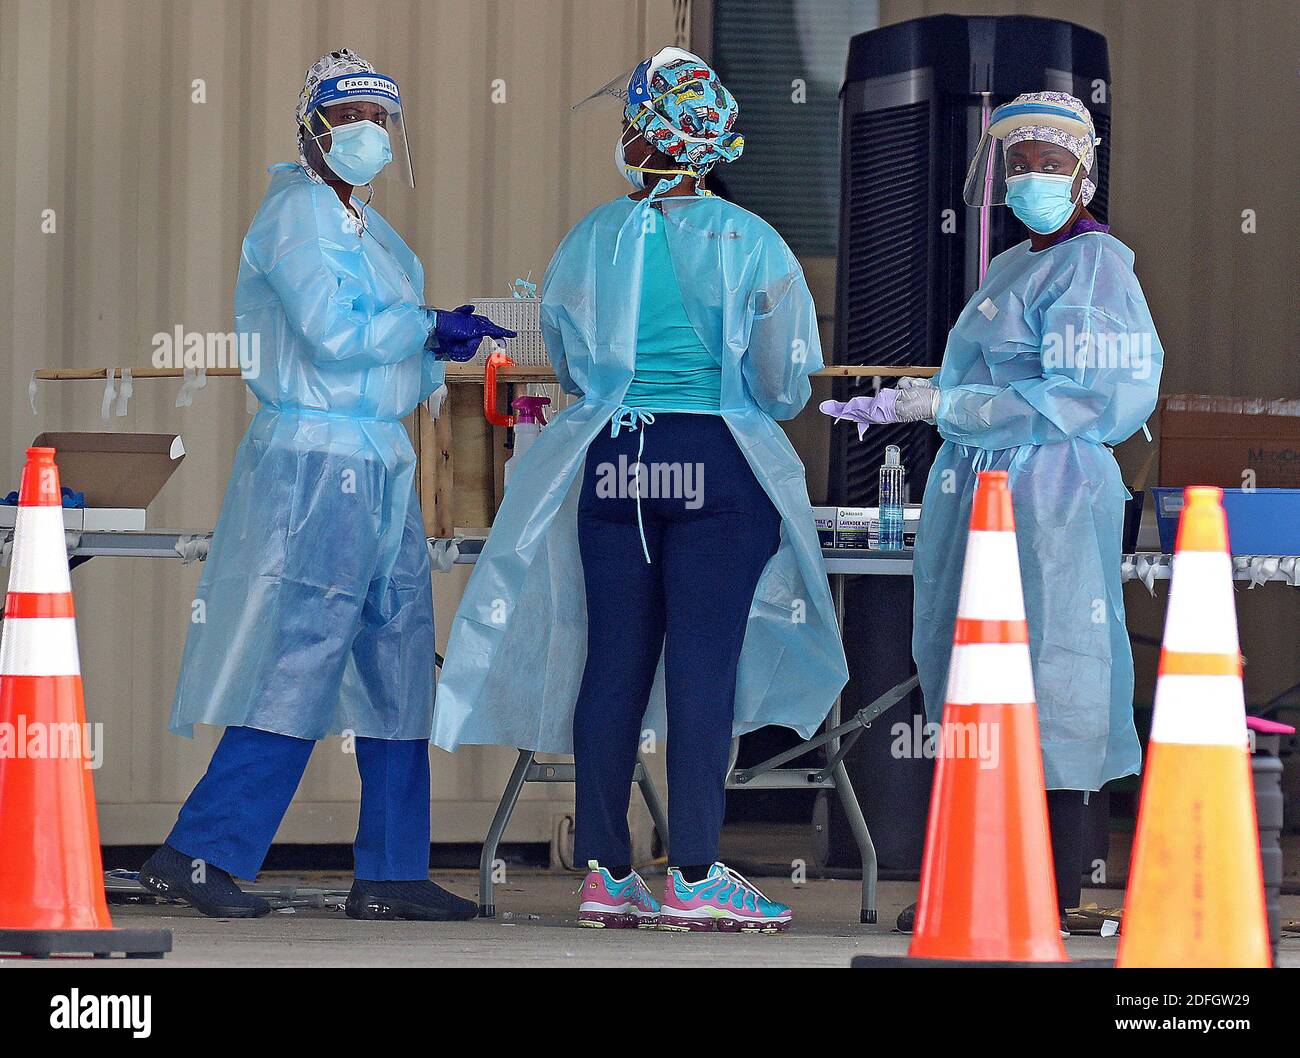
{"x": 682, "y": 109}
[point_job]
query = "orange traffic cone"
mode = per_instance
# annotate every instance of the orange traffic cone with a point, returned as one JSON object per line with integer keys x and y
{"x": 51, "y": 877}
{"x": 1195, "y": 888}
{"x": 988, "y": 893}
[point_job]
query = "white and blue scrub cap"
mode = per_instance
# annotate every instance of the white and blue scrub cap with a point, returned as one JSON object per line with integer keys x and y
{"x": 329, "y": 66}
{"x": 1082, "y": 147}
{"x": 340, "y": 75}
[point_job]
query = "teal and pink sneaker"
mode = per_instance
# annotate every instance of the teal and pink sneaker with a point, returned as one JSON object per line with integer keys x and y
{"x": 608, "y": 903}
{"x": 724, "y": 900}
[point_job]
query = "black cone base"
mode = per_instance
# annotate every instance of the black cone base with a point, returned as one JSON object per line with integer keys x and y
{"x": 902, "y": 962}
{"x": 89, "y": 943}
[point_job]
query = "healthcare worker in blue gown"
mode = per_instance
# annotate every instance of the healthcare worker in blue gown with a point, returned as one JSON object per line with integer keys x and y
{"x": 314, "y": 614}
{"x": 1053, "y": 360}
{"x": 684, "y": 326}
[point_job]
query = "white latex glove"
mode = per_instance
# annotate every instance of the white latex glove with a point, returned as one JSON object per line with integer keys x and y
{"x": 917, "y": 403}
{"x": 433, "y": 402}
{"x": 443, "y": 553}
{"x": 912, "y": 381}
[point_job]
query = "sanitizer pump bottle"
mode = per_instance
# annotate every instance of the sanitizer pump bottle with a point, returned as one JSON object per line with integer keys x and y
{"x": 891, "y": 501}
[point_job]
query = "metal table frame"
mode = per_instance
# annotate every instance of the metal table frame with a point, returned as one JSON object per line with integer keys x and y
{"x": 189, "y": 545}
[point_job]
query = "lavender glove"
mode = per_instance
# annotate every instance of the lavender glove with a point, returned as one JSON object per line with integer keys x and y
{"x": 864, "y": 410}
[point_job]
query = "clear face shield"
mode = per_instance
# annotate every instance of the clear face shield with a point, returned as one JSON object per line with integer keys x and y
{"x": 360, "y": 117}
{"x": 634, "y": 85}
{"x": 994, "y": 163}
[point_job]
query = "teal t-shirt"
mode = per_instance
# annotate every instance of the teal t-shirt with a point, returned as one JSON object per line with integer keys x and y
{"x": 674, "y": 370}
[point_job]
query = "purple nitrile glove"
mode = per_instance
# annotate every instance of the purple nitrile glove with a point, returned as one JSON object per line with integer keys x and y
{"x": 456, "y": 333}
{"x": 864, "y": 410}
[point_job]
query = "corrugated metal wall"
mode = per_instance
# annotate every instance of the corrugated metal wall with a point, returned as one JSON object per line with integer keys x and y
{"x": 147, "y": 126}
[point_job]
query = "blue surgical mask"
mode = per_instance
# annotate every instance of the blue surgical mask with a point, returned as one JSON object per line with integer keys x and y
{"x": 1043, "y": 202}
{"x": 358, "y": 151}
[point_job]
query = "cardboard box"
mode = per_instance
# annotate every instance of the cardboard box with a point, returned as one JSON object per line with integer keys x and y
{"x": 88, "y": 519}
{"x": 120, "y": 474}
{"x": 853, "y": 526}
{"x": 1229, "y": 441}
{"x": 824, "y": 519}
{"x": 859, "y": 527}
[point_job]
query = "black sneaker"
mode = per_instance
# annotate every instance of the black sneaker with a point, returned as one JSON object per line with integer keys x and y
{"x": 906, "y": 919}
{"x": 420, "y": 901}
{"x": 169, "y": 872}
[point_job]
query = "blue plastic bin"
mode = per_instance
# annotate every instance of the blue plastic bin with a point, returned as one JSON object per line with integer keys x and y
{"x": 1260, "y": 521}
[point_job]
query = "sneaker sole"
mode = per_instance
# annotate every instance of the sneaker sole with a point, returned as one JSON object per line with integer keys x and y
{"x": 162, "y": 887}
{"x": 722, "y": 924}
{"x": 616, "y": 920}
{"x": 399, "y": 911}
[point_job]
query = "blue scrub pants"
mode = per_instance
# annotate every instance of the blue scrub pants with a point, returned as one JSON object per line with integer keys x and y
{"x": 231, "y": 817}
{"x": 690, "y": 603}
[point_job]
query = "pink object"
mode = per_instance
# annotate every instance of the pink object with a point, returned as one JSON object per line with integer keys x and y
{"x": 986, "y": 111}
{"x": 608, "y": 903}
{"x": 724, "y": 902}
{"x": 1268, "y": 727}
{"x": 530, "y": 409}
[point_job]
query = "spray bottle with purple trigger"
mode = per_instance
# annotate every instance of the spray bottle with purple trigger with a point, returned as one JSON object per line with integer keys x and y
{"x": 529, "y": 420}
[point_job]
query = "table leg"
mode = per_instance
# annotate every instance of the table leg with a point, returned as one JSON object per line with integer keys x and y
{"x": 487, "y": 909}
{"x": 844, "y": 788}
{"x": 652, "y": 801}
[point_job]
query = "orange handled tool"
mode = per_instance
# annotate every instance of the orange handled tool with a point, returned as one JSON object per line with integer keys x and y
{"x": 497, "y": 358}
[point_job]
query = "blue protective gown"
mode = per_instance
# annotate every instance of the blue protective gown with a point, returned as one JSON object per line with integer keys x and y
{"x": 518, "y": 644}
{"x": 1013, "y": 399}
{"x": 314, "y": 613}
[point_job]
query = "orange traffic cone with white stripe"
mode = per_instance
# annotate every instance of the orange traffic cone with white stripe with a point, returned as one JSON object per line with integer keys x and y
{"x": 51, "y": 877}
{"x": 988, "y": 892}
{"x": 1196, "y": 889}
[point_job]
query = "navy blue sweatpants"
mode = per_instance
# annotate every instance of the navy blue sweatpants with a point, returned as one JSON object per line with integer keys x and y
{"x": 710, "y": 529}
{"x": 231, "y": 817}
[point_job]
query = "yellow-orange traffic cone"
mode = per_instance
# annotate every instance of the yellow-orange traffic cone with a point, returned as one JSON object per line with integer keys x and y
{"x": 1195, "y": 888}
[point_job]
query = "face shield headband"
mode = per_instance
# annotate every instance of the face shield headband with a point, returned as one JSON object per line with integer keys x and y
{"x": 370, "y": 88}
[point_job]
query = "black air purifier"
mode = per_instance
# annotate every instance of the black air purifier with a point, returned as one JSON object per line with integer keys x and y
{"x": 912, "y": 109}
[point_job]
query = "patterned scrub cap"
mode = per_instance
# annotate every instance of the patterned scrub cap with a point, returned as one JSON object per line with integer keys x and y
{"x": 331, "y": 64}
{"x": 689, "y": 115}
{"x": 1076, "y": 145}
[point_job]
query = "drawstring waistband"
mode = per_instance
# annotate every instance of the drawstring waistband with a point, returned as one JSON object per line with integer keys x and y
{"x": 634, "y": 419}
